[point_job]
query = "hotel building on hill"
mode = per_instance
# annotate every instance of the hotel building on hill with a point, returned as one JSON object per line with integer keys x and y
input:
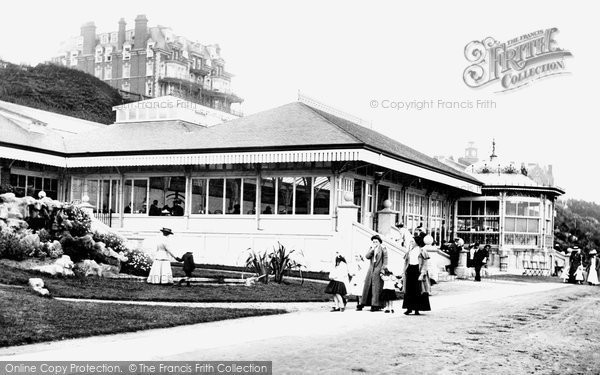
{"x": 145, "y": 62}
{"x": 303, "y": 174}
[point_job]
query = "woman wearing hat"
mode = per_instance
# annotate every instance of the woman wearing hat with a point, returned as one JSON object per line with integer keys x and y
{"x": 378, "y": 257}
{"x": 416, "y": 282}
{"x": 161, "y": 272}
{"x": 593, "y": 268}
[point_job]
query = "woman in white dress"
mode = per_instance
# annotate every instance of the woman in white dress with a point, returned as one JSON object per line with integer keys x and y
{"x": 161, "y": 272}
{"x": 593, "y": 268}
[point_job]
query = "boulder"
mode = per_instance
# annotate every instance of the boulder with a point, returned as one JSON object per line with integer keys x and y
{"x": 62, "y": 266}
{"x": 37, "y": 285}
{"x": 89, "y": 268}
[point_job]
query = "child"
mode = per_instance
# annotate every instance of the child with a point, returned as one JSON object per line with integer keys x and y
{"x": 565, "y": 274}
{"x": 188, "y": 267}
{"x": 579, "y": 274}
{"x": 357, "y": 282}
{"x": 389, "y": 290}
{"x": 337, "y": 285}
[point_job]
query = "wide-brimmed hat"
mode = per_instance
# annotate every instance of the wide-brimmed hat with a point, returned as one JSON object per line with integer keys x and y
{"x": 166, "y": 231}
{"x": 593, "y": 252}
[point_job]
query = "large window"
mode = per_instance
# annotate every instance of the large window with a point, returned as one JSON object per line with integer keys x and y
{"x": 102, "y": 194}
{"x": 415, "y": 211}
{"x": 322, "y": 195}
{"x": 295, "y": 195}
{"x": 32, "y": 185}
{"x": 436, "y": 216}
{"x": 522, "y": 223}
{"x": 167, "y": 196}
{"x": 135, "y": 193}
{"x": 479, "y": 221}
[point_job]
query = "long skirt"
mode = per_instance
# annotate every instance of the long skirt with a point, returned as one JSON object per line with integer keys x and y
{"x": 160, "y": 273}
{"x": 413, "y": 298}
{"x": 593, "y": 277}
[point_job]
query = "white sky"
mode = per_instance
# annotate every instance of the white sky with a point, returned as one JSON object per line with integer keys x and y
{"x": 347, "y": 53}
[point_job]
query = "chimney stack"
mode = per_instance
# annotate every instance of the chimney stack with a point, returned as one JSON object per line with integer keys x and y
{"x": 88, "y": 32}
{"x": 121, "y": 35}
{"x": 141, "y": 31}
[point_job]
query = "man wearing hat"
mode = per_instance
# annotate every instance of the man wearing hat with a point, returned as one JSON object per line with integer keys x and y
{"x": 161, "y": 272}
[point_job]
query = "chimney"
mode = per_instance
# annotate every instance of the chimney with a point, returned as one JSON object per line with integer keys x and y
{"x": 121, "y": 36}
{"x": 88, "y": 32}
{"x": 141, "y": 31}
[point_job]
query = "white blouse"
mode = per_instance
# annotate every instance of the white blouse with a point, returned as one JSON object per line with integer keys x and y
{"x": 413, "y": 255}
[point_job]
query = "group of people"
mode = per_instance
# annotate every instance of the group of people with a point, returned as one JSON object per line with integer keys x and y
{"x": 582, "y": 269}
{"x": 477, "y": 256}
{"x": 375, "y": 285}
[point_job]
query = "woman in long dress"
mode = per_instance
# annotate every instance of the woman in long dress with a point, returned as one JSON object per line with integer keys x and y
{"x": 416, "y": 284}
{"x": 161, "y": 272}
{"x": 593, "y": 268}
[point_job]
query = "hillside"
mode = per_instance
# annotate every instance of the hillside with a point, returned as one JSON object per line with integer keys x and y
{"x": 577, "y": 222}
{"x": 59, "y": 89}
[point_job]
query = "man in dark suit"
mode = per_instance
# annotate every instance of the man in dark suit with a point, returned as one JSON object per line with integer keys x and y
{"x": 480, "y": 259}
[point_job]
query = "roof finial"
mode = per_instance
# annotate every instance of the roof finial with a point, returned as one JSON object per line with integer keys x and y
{"x": 493, "y": 155}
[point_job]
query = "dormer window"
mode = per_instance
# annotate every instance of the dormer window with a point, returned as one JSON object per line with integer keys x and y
{"x": 104, "y": 38}
{"x": 114, "y": 37}
{"x": 150, "y": 49}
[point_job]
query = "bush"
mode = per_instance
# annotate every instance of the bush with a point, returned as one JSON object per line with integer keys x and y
{"x": 111, "y": 240}
{"x": 78, "y": 248}
{"x": 138, "y": 263}
{"x": 32, "y": 246}
{"x": 10, "y": 246}
{"x": 78, "y": 222}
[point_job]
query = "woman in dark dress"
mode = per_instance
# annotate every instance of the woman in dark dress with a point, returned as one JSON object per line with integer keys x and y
{"x": 416, "y": 284}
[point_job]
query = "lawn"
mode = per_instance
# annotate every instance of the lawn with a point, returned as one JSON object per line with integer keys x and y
{"x": 27, "y": 318}
{"x": 113, "y": 289}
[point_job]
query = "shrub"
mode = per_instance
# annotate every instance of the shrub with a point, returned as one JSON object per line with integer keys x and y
{"x": 52, "y": 249}
{"x": 31, "y": 245}
{"x": 111, "y": 240}
{"x": 78, "y": 248}
{"x": 78, "y": 222}
{"x": 259, "y": 263}
{"x": 138, "y": 263}
{"x": 44, "y": 235}
{"x": 10, "y": 246}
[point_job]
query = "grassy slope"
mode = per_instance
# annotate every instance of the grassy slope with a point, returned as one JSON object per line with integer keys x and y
{"x": 26, "y": 318}
{"x": 59, "y": 89}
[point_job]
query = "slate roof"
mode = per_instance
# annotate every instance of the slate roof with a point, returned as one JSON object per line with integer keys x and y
{"x": 289, "y": 127}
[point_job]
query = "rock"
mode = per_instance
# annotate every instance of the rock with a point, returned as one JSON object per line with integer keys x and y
{"x": 89, "y": 268}
{"x": 62, "y": 266}
{"x": 37, "y": 285}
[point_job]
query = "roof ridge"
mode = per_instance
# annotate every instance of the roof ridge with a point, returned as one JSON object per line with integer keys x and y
{"x": 315, "y": 111}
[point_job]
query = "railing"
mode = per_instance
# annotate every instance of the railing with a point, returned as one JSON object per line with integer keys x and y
{"x": 104, "y": 218}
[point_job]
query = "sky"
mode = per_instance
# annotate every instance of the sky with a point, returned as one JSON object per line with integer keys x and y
{"x": 361, "y": 56}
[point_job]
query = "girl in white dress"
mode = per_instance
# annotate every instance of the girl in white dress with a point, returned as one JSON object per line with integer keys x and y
{"x": 592, "y": 269}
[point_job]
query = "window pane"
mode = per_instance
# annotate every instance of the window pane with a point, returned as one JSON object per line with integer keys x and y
{"x": 478, "y": 224}
{"x": 510, "y": 224}
{"x": 140, "y": 189}
{"x": 76, "y": 188}
{"x": 249, "y": 201}
{"x": 534, "y": 209}
{"x": 127, "y": 189}
{"x": 521, "y": 225}
{"x": 285, "y": 192}
{"x": 511, "y": 208}
{"x": 104, "y": 196}
{"x": 464, "y": 208}
{"x": 533, "y": 225}
{"x": 492, "y": 208}
{"x": 522, "y": 209}
{"x": 303, "y": 191}
{"x": 492, "y": 224}
{"x": 215, "y": 196}
{"x": 92, "y": 193}
{"x": 321, "y": 195}
{"x": 267, "y": 195}
{"x": 198, "y": 196}
{"x": 233, "y": 193}
{"x": 464, "y": 224}
{"x": 114, "y": 203}
{"x": 478, "y": 208}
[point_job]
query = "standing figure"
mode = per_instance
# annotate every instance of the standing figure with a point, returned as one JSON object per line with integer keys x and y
{"x": 593, "y": 268}
{"x": 188, "y": 266}
{"x": 338, "y": 281}
{"x": 579, "y": 275}
{"x": 416, "y": 284}
{"x": 161, "y": 272}
{"x": 455, "y": 250}
{"x": 480, "y": 259}
{"x": 357, "y": 282}
{"x": 388, "y": 295}
{"x": 575, "y": 260}
{"x": 378, "y": 258}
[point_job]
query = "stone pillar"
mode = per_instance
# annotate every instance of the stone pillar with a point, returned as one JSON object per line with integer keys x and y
{"x": 346, "y": 216}
{"x": 386, "y": 219}
{"x": 86, "y": 206}
{"x": 462, "y": 272}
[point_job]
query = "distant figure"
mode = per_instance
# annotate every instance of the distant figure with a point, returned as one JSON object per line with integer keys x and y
{"x": 188, "y": 266}
{"x": 268, "y": 210}
{"x": 480, "y": 259}
{"x": 404, "y": 235}
{"x": 177, "y": 210}
{"x": 455, "y": 250}
{"x": 128, "y": 209}
{"x": 575, "y": 260}
{"x": 166, "y": 210}
{"x": 154, "y": 210}
{"x": 593, "y": 268}
{"x": 579, "y": 274}
{"x": 338, "y": 282}
{"x": 236, "y": 209}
